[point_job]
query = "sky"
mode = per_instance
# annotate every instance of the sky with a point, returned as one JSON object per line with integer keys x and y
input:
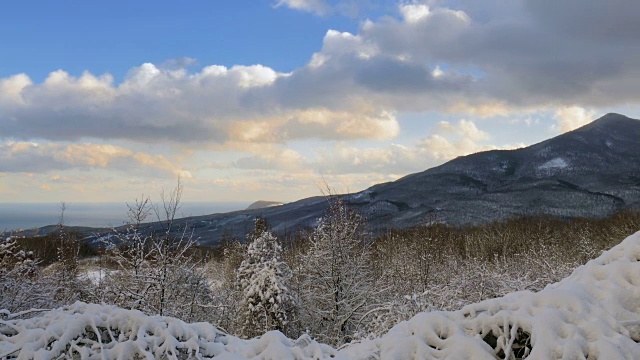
{"x": 277, "y": 99}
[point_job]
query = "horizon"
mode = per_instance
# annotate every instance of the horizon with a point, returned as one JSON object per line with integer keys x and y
{"x": 23, "y": 216}
{"x": 103, "y": 102}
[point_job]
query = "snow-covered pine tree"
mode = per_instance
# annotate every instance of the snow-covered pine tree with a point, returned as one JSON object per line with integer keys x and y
{"x": 337, "y": 283}
{"x": 263, "y": 280}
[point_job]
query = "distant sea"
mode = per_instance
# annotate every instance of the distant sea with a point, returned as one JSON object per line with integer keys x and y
{"x": 15, "y": 216}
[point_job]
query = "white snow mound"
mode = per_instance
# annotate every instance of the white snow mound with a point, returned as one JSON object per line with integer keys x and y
{"x": 594, "y": 314}
{"x": 557, "y": 163}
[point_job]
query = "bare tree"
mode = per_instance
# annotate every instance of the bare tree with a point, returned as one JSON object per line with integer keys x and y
{"x": 336, "y": 281}
{"x": 158, "y": 273}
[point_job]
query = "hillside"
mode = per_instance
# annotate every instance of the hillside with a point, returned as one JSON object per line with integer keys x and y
{"x": 593, "y": 313}
{"x": 593, "y": 171}
{"x": 261, "y": 204}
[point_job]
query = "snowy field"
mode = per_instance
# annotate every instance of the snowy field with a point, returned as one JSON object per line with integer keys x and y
{"x": 592, "y": 314}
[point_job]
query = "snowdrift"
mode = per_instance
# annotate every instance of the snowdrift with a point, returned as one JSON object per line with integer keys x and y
{"x": 594, "y": 314}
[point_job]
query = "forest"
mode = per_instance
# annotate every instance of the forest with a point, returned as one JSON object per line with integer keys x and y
{"x": 335, "y": 282}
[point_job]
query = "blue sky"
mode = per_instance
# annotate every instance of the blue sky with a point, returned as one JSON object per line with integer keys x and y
{"x": 112, "y": 36}
{"x": 247, "y": 100}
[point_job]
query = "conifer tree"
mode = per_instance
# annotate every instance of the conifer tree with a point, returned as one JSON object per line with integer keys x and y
{"x": 263, "y": 280}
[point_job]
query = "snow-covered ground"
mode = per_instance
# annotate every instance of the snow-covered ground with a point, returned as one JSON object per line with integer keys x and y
{"x": 594, "y": 313}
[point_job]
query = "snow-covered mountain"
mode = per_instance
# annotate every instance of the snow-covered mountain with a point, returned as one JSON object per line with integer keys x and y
{"x": 594, "y": 313}
{"x": 593, "y": 171}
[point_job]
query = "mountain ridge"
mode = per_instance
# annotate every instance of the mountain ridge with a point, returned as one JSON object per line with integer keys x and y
{"x": 592, "y": 171}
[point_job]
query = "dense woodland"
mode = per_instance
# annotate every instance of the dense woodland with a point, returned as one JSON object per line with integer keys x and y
{"x": 334, "y": 282}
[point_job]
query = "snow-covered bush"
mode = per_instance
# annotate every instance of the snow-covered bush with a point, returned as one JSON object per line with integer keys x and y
{"x": 156, "y": 273}
{"x": 593, "y": 313}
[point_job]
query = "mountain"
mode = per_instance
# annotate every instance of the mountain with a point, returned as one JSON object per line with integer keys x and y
{"x": 593, "y": 171}
{"x": 261, "y": 204}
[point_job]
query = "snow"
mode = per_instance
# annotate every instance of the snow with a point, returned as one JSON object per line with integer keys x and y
{"x": 96, "y": 276}
{"x": 557, "y": 163}
{"x": 594, "y": 313}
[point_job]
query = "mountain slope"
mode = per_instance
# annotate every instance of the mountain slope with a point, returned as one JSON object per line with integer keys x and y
{"x": 593, "y": 171}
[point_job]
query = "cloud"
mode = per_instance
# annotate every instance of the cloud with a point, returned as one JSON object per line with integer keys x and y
{"x": 522, "y": 53}
{"x": 445, "y": 142}
{"x": 29, "y": 157}
{"x": 465, "y": 128}
{"x": 414, "y": 12}
{"x": 390, "y": 159}
{"x": 445, "y": 56}
{"x": 572, "y": 117}
{"x": 449, "y": 141}
{"x": 214, "y": 105}
{"x": 317, "y": 123}
{"x": 273, "y": 159}
{"x": 349, "y": 8}
{"x": 318, "y": 7}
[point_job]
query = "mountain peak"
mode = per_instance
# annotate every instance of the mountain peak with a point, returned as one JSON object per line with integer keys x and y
{"x": 609, "y": 120}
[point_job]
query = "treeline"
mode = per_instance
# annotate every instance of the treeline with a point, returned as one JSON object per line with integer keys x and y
{"x": 334, "y": 282}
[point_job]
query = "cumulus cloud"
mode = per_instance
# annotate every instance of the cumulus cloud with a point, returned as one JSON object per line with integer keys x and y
{"x": 350, "y": 8}
{"x": 391, "y": 159}
{"x": 459, "y": 57}
{"x": 30, "y": 157}
{"x": 318, "y": 7}
{"x": 464, "y": 128}
{"x": 214, "y": 105}
{"x": 431, "y": 56}
{"x": 572, "y": 117}
{"x": 274, "y": 159}
{"x": 446, "y": 141}
{"x": 518, "y": 54}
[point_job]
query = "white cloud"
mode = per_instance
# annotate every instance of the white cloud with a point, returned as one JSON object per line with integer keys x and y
{"x": 318, "y": 7}
{"x": 452, "y": 140}
{"x": 413, "y": 13}
{"x": 457, "y": 57}
{"x": 572, "y": 117}
{"x": 466, "y": 58}
{"x": 464, "y": 128}
{"x": 215, "y": 105}
{"x": 31, "y": 157}
{"x": 446, "y": 141}
{"x": 274, "y": 159}
{"x": 349, "y": 8}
